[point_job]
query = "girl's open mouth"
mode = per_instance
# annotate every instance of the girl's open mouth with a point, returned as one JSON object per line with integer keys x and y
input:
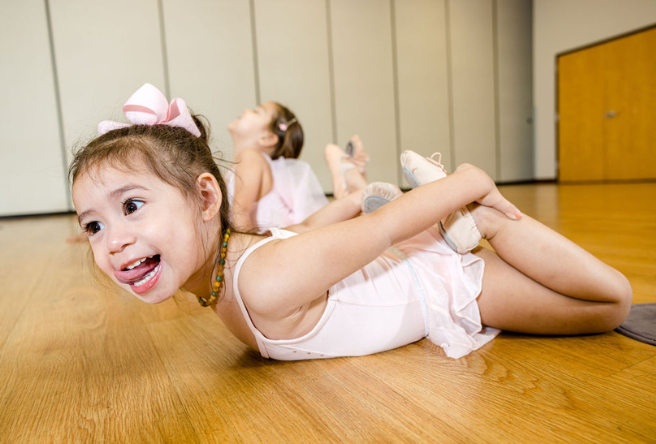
{"x": 141, "y": 275}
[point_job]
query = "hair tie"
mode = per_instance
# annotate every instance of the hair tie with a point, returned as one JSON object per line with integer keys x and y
{"x": 283, "y": 126}
{"x": 148, "y": 106}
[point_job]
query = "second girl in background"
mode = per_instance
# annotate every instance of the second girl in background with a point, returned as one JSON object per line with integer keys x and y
{"x": 270, "y": 186}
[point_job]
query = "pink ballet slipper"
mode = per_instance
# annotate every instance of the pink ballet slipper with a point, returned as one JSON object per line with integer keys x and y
{"x": 459, "y": 229}
{"x": 354, "y": 149}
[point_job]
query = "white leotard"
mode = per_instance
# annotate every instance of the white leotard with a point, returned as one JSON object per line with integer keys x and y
{"x": 420, "y": 288}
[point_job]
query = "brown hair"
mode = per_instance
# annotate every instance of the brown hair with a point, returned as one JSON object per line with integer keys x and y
{"x": 173, "y": 154}
{"x": 290, "y": 136}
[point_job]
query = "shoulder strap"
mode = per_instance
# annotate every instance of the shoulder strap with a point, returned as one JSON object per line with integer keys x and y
{"x": 235, "y": 288}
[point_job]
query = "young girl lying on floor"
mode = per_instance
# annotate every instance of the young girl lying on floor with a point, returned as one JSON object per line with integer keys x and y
{"x": 152, "y": 201}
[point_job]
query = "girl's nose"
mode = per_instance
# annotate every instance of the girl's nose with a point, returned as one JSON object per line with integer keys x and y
{"x": 118, "y": 238}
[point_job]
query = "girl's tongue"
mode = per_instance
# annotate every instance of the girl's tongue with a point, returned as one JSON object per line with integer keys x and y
{"x": 137, "y": 273}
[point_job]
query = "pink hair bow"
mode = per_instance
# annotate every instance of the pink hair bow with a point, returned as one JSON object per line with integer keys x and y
{"x": 148, "y": 106}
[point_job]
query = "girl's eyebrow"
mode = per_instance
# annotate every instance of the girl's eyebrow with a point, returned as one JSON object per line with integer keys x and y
{"x": 83, "y": 215}
{"x": 129, "y": 187}
{"x": 114, "y": 195}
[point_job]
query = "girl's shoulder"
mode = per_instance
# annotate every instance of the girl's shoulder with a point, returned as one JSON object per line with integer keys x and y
{"x": 251, "y": 161}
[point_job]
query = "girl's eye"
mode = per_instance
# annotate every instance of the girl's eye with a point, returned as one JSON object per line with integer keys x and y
{"x": 131, "y": 206}
{"x": 93, "y": 227}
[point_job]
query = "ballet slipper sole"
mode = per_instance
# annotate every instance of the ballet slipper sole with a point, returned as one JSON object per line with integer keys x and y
{"x": 372, "y": 203}
{"x": 349, "y": 149}
{"x": 377, "y": 194}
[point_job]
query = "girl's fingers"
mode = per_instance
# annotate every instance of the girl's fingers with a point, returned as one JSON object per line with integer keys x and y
{"x": 512, "y": 211}
{"x": 498, "y": 202}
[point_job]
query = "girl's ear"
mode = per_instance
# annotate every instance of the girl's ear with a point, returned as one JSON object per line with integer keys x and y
{"x": 210, "y": 193}
{"x": 268, "y": 140}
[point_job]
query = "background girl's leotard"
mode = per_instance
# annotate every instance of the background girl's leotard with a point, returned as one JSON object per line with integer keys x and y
{"x": 296, "y": 194}
{"x": 418, "y": 288}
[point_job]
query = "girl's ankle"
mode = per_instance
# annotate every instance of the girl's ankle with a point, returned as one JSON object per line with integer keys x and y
{"x": 486, "y": 218}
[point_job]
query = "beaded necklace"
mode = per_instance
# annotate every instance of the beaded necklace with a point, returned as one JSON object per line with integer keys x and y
{"x": 218, "y": 280}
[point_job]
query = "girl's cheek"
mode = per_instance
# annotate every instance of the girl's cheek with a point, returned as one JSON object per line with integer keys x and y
{"x": 102, "y": 265}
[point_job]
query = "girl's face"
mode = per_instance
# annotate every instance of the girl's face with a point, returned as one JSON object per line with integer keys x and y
{"x": 142, "y": 231}
{"x": 253, "y": 122}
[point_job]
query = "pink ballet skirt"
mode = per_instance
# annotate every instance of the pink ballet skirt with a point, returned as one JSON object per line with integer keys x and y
{"x": 418, "y": 288}
{"x": 296, "y": 194}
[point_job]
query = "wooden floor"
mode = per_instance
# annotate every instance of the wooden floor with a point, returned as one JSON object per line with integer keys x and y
{"x": 80, "y": 362}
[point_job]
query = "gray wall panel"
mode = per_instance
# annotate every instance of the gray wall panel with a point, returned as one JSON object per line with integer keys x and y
{"x": 105, "y": 51}
{"x": 473, "y": 83}
{"x": 210, "y": 60}
{"x": 32, "y": 178}
{"x": 364, "y": 81}
{"x": 421, "y": 39}
{"x": 515, "y": 90}
{"x": 293, "y": 59}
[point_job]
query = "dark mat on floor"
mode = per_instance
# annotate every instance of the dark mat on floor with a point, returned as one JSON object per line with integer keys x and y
{"x": 641, "y": 323}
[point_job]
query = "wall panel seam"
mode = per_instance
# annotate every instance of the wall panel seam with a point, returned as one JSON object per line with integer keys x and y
{"x": 256, "y": 66}
{"x": 449, "y": 77}
{"x": 395, "y": 74}
{"x": 497, "y": 105}
{"x": 60, "y": 120}
{"x": 165, "y": 58}
{"x": 331, "y": 71}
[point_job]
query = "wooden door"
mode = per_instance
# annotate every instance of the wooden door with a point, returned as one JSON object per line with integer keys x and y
{"x": 607, "y": 110}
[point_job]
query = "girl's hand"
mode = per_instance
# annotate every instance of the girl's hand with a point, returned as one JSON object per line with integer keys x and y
{"x": 493, "y": 198}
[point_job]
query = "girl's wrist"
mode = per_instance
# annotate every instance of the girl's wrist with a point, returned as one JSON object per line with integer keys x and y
{"x": 477, "y": 181}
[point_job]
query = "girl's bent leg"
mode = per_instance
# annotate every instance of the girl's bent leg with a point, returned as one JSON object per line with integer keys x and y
{"x": 543, "y": 283}
{"x": 348, "y": 175}
{"x": 333, "y": 155}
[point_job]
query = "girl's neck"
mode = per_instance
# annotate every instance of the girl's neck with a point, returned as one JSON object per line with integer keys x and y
{"x": 243, "y": 142}
{"x": 200, "y": 283}
{"x": 239, "y": 147}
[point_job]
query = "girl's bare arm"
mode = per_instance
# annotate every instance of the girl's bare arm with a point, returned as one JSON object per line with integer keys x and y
{"x": 249, "y": 171}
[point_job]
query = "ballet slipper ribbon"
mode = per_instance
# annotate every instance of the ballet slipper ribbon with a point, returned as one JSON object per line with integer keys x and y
{"x": 148, "y": 106}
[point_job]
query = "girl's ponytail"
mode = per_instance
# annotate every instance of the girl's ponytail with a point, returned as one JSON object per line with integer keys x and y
{"x": 286, "y": 126}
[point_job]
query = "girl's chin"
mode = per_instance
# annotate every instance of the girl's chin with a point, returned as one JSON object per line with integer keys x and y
{"x": 153, "y": 291}
{"x": 151, "y": 298}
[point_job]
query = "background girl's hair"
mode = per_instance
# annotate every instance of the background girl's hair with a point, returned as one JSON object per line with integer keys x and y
{"x": 173, "y": 154}
{"x": 290, "y": 140}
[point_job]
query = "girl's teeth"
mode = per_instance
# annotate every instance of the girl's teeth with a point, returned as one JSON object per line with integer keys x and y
{"x": 131, "y": 266}
{"x": 146, "y": 278}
